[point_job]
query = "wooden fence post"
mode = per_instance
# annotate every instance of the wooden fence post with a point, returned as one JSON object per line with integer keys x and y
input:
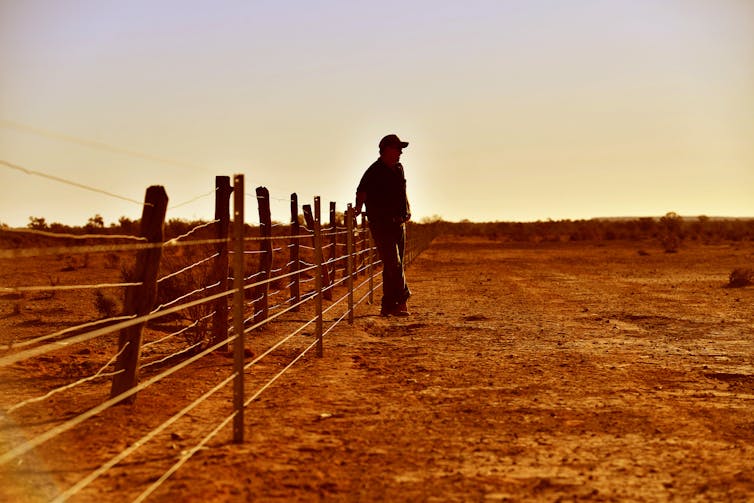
{"x": 265, "y": 259}
{"x": 350, "y": 219}
{"x": 310, "y": 223}
{"x": 140, "y": 299}
{"x": 238, "y": 303}
{"x": 370, "y": 244}
{"x": 294, "y": 252}
{"x": 364, "y": 243}
{"x": 221, "y": 264}
{"x": 333, "y": 244}
{"x": 319, "y": 274}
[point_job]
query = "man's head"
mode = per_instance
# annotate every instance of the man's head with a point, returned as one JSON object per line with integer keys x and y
{"x": 391, "y": 148}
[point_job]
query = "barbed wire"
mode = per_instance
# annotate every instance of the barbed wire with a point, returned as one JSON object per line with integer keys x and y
{"x": 179, "y": 332}
{"x": 63, "y": 235}
{"x": 188, "y": 267}
{"x": 67, "y": 182}
{"x": 99, "y": 373}
{"x": 189, "y": 294}
{"x": 52, "y": 288}
{"x": 59, "y": 333}
{"x": 57, "y": 250}
{"x": 172, "y": 355}
{"x": 97, "y": 145}
{"x": 192, "y": 200}
{"x": 30, "y": 353}
{"x": 187, "y": 234}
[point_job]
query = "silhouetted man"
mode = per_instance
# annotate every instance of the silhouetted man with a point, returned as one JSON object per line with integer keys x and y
{"x": 383, "y": 189}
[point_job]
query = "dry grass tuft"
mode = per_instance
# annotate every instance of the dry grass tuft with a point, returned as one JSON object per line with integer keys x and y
{"x": 741, "y": 277}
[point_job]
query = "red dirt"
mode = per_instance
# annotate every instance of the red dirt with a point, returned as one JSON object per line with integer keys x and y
{"x": 525, "y": 373}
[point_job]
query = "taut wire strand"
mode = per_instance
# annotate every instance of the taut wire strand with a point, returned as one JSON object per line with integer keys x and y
{"x": 195, "y": 264}
{"x": 74, "y": 384}
{"x": 74, "y": 236}
{"x": 29, "y": 353}
{"x": 50, "y": 288}
{"x": 68, "y": 182}
{"x": 96, "y": 144}
{"x": 65, "y": 331}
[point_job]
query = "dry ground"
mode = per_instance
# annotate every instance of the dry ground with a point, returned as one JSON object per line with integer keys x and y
{"x": 551, "y": 372}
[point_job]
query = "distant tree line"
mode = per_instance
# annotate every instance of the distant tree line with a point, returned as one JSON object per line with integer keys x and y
{"x": 671, "y": 229}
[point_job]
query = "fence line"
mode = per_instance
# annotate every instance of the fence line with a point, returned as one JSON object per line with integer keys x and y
{"x": 357, "y": 251}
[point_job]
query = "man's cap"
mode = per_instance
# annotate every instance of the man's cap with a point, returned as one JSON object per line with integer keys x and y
{"x": 392, "y": 140}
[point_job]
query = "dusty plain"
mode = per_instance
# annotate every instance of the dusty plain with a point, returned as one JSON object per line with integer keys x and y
{"x": 592, "y": 371}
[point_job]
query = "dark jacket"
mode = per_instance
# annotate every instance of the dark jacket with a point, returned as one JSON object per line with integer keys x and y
{"x": 385, "y": 190}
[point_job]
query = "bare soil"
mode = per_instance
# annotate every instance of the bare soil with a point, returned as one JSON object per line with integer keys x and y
{"x": 548, "y": 372}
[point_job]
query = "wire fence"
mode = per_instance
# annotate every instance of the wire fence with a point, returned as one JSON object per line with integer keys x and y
{"x": 211, "y": 290}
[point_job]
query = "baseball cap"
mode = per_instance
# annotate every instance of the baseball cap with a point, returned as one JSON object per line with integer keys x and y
{"x": 392, "y": 140}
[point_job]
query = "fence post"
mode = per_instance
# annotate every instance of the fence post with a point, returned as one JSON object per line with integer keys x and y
{"x": 238, "y": 303}
{"x": 364, "y": 243}
{"x": 350, "y": 259}
{"x": 370, "y": 243}
{"x": 294, "y": 252}
{"x": 333, "y": 244}
{"x": 220, "y": 270}
{"x": 319, "y": 277}
{"x": 265, "y": 259}
{"x": 310, "y": 223}
{"x": 140, "y": 299}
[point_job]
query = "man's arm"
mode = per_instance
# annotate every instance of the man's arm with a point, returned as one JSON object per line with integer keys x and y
{"x": 361, "y": 198}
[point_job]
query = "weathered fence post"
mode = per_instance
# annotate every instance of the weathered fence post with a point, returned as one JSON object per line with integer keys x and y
{"x": 350, "y": 259}
{"x": 238, "y": 303}
{"x": 294, "y": 252}
{"x": 333, "y": 244}
{"x": 364, "y": 244}
{"x": 310, "y": 222}
{"x": 220, "y": 269}
{"x": 370, "y": 243}
{"x": 319, "y": 273}
{"x": 265, "y": 259}
{"x": 140, "y": 299}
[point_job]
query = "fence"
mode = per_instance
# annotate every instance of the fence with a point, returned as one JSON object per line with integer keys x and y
{"x": 203, "y": 281}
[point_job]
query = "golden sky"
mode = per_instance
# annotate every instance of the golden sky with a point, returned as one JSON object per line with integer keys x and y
{"x": 514, "y": 110}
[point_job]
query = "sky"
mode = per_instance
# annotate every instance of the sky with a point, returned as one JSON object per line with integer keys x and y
{"x": 515, "y": 110}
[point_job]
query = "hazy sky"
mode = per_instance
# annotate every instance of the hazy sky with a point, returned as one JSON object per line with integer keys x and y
{"x": 515, "y": 109}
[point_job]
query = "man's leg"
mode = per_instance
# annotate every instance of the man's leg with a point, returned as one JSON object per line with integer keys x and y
{"x": 403, "y": 292}
{"x": 385, "y": 238}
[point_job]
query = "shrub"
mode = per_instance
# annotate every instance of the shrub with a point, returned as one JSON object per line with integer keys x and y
{"x": 741, "y": 277}
{"x": 107, "y": 305}
{"x": 671, "y": 232}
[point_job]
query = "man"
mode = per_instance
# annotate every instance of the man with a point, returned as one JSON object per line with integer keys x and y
{"x": 383, "y": 189}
